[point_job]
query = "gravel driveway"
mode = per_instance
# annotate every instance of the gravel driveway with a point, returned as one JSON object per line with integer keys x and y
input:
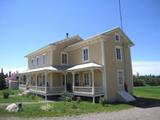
{"x": 130, "y": 114}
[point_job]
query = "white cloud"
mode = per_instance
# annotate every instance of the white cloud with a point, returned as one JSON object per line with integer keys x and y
{"x": 146, "y": 67}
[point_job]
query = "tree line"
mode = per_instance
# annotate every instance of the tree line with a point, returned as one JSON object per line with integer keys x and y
{"x": 142, "y": 80}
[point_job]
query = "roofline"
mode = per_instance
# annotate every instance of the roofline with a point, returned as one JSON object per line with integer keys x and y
{"x": 99, "y": 35}
{"x": 52, "y": 44}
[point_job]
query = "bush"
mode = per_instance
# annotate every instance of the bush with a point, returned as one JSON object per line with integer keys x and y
{"x": 66, "y": 97}
{"x": 102, "y": 101}
{"x": 6, "y": 94}
{"x": 74, "y": 106}
{"x": 78, "y": 99}
{"x": 46, "y": 107}
{"x": 139, "y": 82}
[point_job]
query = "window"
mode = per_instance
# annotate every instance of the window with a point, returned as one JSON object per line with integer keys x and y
{"x": 64, "y": 58}
{"x": 32, "y": 62}
{"x": 86, "y": 77}
{"x": 77, "y": 80}
{"x": 118, "y": 53}
{"x": 44, "y": 59}
{"x": 120, "y": 77}
{"x": 117, "y": 37}
{"x": 85, "y": 54}
{"x": 37, "y": 61}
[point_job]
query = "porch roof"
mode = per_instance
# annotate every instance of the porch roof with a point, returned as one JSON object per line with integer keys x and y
{"x": 47, "y": 68}
{"x": 85, "y": 66}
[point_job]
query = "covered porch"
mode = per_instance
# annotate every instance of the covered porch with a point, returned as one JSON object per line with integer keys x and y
{"x": 47, "y": 81}
{"x": 87, "y": 80}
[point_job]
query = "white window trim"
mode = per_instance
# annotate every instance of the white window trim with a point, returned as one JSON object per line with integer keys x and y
{"x": 89, "y": 78}
{"x": 84, "y": 61}
{"x": 61, "y": 58}
{"x": 37, "y": 63}
{"x": 119, "y": 47}
{"x": 44, "y": 63}
{"x": 115, "y": 37}
{"x": 32, "y": 64}
{"x": 120, "y": 70}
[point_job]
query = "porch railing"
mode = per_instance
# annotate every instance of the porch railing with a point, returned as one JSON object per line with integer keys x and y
{"x": 88, "y": 89}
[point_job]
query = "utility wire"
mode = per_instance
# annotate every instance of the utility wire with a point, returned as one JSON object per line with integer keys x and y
{"x": 120, "y": 14}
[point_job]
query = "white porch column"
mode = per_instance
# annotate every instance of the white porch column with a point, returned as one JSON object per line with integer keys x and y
{"x": 45, "y": 85}
{"x": 36, "y": 81}
{"x": 93, "y": 90}
{"x": 73, "y": 80}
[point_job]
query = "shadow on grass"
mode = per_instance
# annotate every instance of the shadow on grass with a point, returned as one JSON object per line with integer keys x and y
{"x": 146, "y": 102}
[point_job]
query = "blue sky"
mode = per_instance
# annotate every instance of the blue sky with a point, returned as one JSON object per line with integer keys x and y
{"x": 26, "y": 25}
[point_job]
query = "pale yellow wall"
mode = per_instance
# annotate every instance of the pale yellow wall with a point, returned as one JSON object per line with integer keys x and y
{"x": 75, "y": 56}
{"x": 97, "y": 78}
{"x": 60, "y": 48}
{"x": 112, "y": 65}
{"x": 48, "y": 61}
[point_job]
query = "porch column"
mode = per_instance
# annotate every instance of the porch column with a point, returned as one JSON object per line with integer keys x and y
{"x": 36, "y": 81}
{"x": 92, "y": 72}
{"x": 73, "y": 82}
{"x": 45, "y": 85}
{"x": 65, "y": 81}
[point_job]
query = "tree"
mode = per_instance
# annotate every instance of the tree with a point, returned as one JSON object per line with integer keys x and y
{"x": 2, "y": 82}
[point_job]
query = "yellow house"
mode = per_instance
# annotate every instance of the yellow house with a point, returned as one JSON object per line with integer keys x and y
{"x": 97, "y": 66}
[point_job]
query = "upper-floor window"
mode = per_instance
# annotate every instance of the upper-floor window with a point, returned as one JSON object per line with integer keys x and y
{"x": 120, "y": 76}
{"x": 44, "y": 59}
{"x": 64, "y": 58}
{"x": 118, "y": 53}
{"x": 37, "y": 60}
{"x": 85, "y": 54}
{"x": 32, "y": 61}
{"x": 117, "y": 37}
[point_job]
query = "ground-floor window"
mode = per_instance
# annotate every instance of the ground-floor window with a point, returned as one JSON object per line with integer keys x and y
{"x": 120, "y": 76}
{"x": 86, "y": 78}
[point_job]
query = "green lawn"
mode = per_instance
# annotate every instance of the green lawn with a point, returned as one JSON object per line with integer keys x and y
{"x": 147, "y": 92}
{"x": 59, "y": 109}
{"x": 14, "y": 97}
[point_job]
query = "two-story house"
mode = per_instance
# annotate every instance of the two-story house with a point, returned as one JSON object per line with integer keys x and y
{"x": 97, "y": 66}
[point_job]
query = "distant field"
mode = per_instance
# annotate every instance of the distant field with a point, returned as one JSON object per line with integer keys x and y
{"x": 147, "y": 92}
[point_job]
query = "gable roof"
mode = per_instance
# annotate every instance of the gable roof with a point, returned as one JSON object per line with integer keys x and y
{"x": 54, "y": 44}
{"x": 92, "y": 38}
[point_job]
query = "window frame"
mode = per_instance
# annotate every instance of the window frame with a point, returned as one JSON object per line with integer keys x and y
{"x": 37, "y": 60}
{"x": 89, "y": 78}
{"x": 44, "y": 59}
{"x": 120, "y": 48}
{"x": 84, "y": 48}
{"x": 115, "y": 38}
{"x": 62, "y": 53}
{"x": 123, "y": 77}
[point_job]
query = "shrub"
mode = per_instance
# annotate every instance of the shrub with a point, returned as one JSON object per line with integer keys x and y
{"x": 102, "y": 101}
{"x": 5, "y": 94}
{"x": 33, "y": 97}
{"x": 74, "y": 106}
{"x": 139, "y": 82}
{"x": 46, "y": 107}
{"x": 66, "y": 97}
{"x": 78, "y": 99}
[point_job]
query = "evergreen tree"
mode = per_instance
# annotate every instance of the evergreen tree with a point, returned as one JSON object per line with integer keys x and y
{"x": 2, "y": 82}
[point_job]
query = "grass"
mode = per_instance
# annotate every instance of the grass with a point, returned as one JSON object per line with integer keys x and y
{"x": 147, "y": 92}
{"x": 14, "y": 97}
{"x": 59, "y": 109}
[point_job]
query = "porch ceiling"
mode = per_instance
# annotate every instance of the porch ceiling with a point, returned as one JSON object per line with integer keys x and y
{"x": 85, "y": 66}
{"x": 48, "y": 68}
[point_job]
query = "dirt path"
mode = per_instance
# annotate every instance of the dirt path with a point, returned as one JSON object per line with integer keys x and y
{"x": 130, "y": 114}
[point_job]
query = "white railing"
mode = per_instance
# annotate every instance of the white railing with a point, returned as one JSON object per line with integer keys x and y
{"x": 83, "y": 88}
{"x": 57, "y": 89}
{"x": 22, "y": 86}
{"x": 88, "y": 89}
